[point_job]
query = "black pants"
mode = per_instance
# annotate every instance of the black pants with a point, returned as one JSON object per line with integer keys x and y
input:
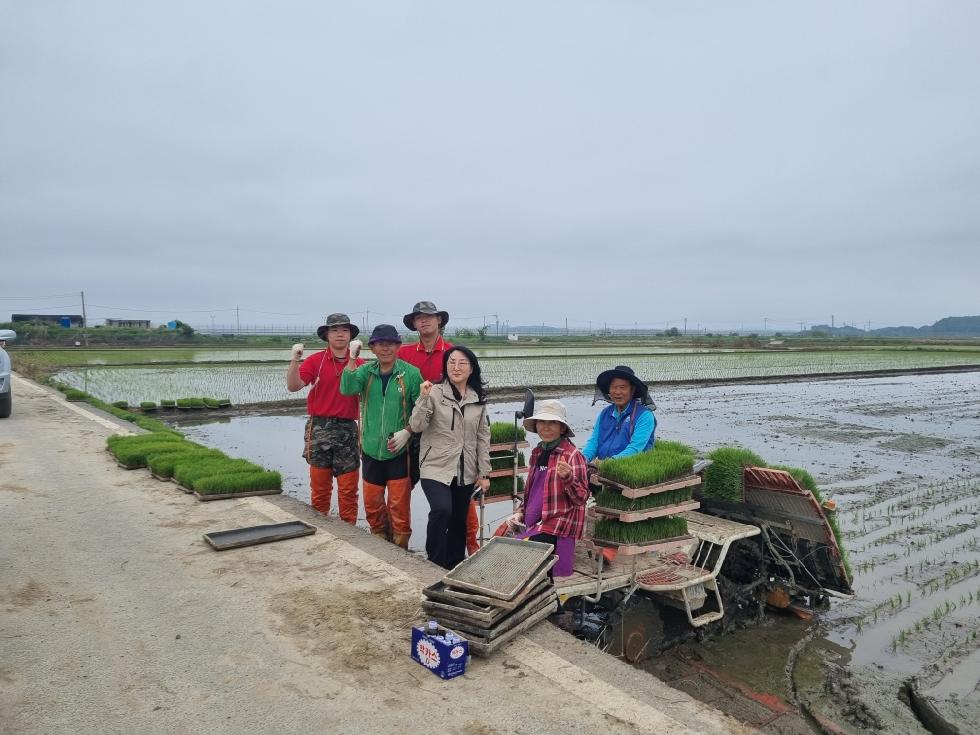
{"x": 547, "y": 538}
{"x": 445, "y": 534}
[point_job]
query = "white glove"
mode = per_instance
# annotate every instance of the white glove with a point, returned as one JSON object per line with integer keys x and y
{"x": 516, "y": 522}
{"x": 398, "y": 441}
{"x": 298, "y": 351}
{"x": 355, "y": 348}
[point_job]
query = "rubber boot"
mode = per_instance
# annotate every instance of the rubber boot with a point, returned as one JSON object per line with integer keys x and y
{"x": 374, "y": 509}
{"x": 400, "y": 510}
{"x": 472, "y": 529}
{"x": 347, "y": 496}
{"x": 321, "y": 488}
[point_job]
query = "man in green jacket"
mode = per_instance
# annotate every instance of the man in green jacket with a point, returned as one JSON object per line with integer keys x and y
{"x": 388, "y": 389}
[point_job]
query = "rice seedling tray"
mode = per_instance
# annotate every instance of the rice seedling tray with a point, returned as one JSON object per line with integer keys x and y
{"x": 130, "y": 466}
{"x": 504, "y": 446}
{"x": 662, "y": 487}
{"x": 484, "y": 649}
{"x": 641, "y": 515}
{"x": 226, "y": 496}
{"x": 252, "y": 535}
{"x": 442, "y": 593}
{"x": 502, "y": 568}
{"x": 161, "y": 478}
{"x": 662, "y": 546}
{"x": 504, "y": 623}
{"x": 508, "y": 472}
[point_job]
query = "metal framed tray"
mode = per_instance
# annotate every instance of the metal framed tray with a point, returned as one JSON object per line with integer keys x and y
{"x": 206, "y": 497}
{"x": 512, "y": 619}
{"x": 535, "y": 585}
{"x": 251, "y": 535}
{"x": 481, "y": 648}
{"x": 502, "y": 568}
{"x": 486, "y": 615}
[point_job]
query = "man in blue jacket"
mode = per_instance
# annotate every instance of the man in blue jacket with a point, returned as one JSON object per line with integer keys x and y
{"x": 628, "y": 425}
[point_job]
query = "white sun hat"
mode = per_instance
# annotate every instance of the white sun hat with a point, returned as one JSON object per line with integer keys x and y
{"x": 550, "y": 410}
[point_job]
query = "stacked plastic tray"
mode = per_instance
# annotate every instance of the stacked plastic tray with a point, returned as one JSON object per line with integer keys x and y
{"x": 496, "y": 594}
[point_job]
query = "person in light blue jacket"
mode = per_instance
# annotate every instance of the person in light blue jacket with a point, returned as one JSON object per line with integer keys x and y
{"x": 627, "y": 426}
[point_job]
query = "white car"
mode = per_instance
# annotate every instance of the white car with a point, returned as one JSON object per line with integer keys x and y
{"x": 5, "y": 398}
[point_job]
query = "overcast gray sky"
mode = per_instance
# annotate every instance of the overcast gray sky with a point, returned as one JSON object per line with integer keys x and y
{"x": 607, "y": 161}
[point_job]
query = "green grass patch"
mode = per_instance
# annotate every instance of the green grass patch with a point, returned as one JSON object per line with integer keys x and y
{"x": 501, "y": 431}
{"x": 665, "y": 461}
{"x": 652, "y": 529}
{"x": 614, "y": 499}
{"x": 75, "y": 395}
{"x": 723, "y": 478}
{"x": 238, "y": 482}
{"x": 121, "y": 404}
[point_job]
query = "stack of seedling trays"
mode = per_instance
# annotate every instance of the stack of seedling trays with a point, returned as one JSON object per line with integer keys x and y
{"x": 496, "y": 594}
{"x": 639, "y": 507}
{"x": 507, "y": 462}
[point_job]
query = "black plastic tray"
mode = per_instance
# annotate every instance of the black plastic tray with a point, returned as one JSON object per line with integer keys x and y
{"x": 251, "y": 535}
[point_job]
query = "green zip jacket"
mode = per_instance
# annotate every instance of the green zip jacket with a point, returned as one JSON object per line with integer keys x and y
{"x": 382, "y": 414}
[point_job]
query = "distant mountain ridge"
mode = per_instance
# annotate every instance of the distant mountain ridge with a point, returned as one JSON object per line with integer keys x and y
{"x": 950, "y": 326}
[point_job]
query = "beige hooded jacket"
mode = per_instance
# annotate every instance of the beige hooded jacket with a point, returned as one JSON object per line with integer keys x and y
{"x": 452, "y": 433}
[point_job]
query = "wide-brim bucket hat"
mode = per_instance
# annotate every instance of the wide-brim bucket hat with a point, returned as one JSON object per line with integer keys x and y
{"x": 337, "y": 320}
{"x": 626, "y": 373}
{"x": 425, "y": 307}
{"x": 384, "y": 333}
{"x": 550, "y": 410}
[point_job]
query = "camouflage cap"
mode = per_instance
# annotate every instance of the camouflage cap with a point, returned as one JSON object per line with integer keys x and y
{"x": 425, "y": 307}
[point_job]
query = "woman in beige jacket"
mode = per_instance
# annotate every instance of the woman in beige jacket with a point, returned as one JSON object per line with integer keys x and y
{"x": 452, "y": 418}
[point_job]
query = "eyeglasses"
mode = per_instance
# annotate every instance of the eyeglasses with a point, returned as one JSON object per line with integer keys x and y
{"x": 458, "y": 363}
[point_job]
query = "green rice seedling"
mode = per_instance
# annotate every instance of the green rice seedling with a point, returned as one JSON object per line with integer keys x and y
{"x": 615, "y": 500}
{"x": 168, "y": 403}
{"x": 723, "y": 478}
{"x": 163, "y": 465}
{"x": 190, "y": 403}
{"x": 660, "y": 464}
{"x": 238, "y": 482}
{"x": 652, "y": 529}
{"x": 139, "y": 439}
{"x": 194, "y": 468}
{"x": 121, "y": 404}
{"x": 501, "y": 431}
{"x": 210, "y": 402}
{"x": 224, "y": 402}
{"x": 504, "y": 460}
{"x": 148, "y": 405}
{"x": 75, "y": 395}
{"x": 136, "y": 455}
{"x": 504, "y": 485}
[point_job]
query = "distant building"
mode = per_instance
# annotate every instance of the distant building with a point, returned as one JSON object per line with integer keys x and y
{"x": 61, "y": 320}
{"x": 131, "y": 323}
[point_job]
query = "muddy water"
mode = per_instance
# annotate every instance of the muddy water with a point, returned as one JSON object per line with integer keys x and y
{"x": 900, "y": 455}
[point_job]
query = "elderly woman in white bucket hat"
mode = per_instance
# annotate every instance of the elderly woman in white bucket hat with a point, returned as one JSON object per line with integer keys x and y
{"x": 557, "y": 487}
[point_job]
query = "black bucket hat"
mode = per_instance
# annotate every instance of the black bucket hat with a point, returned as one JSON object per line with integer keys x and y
{"x": 337, "y": 320}
{"x": 384, "y": 333}
{"x": 626, "y": 373}
{"x": 425, "y": 307}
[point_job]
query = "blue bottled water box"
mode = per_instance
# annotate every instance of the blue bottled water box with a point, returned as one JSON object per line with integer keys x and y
{"x": 440, "y": 651}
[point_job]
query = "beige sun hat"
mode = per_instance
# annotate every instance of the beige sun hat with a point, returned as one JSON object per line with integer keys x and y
{"x": 550, "y": 410}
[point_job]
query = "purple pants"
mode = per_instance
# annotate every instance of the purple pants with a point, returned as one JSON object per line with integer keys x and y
{"x": 564, "y": 545}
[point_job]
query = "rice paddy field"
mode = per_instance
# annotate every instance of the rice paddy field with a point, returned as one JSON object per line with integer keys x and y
{"x": 262, "y": 381}
{"x": 899, "y": 454}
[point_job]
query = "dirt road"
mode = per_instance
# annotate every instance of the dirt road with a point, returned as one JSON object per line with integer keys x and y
{"x": 118, "y": 618}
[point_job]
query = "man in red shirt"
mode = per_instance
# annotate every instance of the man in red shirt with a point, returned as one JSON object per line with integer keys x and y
{"x": 427, "y": 355}
{"x": 331, "y": 444}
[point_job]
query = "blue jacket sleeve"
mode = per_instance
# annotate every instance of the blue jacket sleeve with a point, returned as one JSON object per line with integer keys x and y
{"x": 646, "y": 424}
{"x": 591, "y": 447}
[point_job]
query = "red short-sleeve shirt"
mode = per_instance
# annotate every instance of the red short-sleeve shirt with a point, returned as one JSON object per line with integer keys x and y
{"x": 323, "y": 370}
{"x": 428, "y": 363}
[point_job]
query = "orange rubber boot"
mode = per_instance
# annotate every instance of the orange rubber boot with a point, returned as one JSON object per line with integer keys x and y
{"x": 472, "y": 529}
{"x": 347, "y": 496}
{"x": 321, "y": 488}
{"x": 400, "y": 510}
{"x": 374, "y": 509}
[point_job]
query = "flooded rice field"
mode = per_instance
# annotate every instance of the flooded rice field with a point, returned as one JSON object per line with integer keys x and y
{"x": 900, "y": 455}
{"x": 256, "y": 382}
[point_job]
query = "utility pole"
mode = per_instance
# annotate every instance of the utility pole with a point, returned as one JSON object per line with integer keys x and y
{"x": 238, "y": 321}
{"x": 831, "y": 321}
{"x": 84, "y": 321}
{"x": 566, "y": 326}
{"x": 685, "y": 326}
{"x": 497, "y": 319}
{"x": 765, "y": 324}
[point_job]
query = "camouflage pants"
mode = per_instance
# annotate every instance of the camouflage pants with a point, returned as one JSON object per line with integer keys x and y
{"x": 331, "y": 443}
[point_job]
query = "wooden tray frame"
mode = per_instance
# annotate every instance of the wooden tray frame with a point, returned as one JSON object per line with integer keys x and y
{"x": 632, "y": 516}
{"x": 641, "y": 492}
